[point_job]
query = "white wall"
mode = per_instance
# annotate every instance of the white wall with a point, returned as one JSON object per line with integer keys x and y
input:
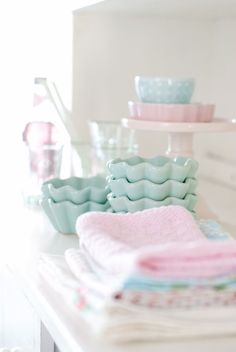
{"x": 217, "y": 152}
{"x": 35, "y": 40}
{"x": 110, "y": 49}
{"x": 224, "y": 68}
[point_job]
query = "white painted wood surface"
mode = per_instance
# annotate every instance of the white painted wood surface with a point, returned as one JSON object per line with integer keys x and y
{"x": 34, "y": 234}
{"x": 18, "y": 319}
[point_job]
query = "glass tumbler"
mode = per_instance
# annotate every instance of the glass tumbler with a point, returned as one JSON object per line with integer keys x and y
{"x": 43, "y": 156}
{"x": 110, "y": 140}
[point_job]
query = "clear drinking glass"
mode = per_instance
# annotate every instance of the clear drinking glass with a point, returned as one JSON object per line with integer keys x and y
{"x": 42, "y": 158}
{"x": 110, "y": 140}
{"x": 43, "y": 163}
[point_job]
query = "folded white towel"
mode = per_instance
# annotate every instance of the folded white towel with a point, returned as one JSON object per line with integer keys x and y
{"x": 160, "y": 294}
{"x": 123, "y": 322}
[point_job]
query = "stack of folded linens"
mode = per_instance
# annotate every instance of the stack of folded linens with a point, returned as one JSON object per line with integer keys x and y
{"x": 151, "y": 275}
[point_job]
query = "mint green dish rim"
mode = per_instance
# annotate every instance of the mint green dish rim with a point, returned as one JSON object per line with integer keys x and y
{"x": 147, "y": 189}
{"x": 76, "y": 189}
{"x": 157, "y": 169}
{"x": 124, "y": 204}
{"x": 63, "y": 215}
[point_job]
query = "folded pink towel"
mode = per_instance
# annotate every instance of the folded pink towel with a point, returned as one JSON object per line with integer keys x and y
{"x": 111, "y": 239}
{"x": 159, "y": 242}
{"x": 133, "y": 230}
{"x": 198, "y": 259}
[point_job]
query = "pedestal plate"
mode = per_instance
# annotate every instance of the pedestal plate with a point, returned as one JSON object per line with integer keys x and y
{"x": 180, "y": 141}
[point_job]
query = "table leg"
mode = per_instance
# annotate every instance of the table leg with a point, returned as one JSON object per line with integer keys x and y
{"x": 46, "y": 342}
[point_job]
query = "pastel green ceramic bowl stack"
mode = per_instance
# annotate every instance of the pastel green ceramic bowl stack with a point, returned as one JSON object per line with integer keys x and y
{"x": 139, "y": 183}
{"x": 66, "y": 199}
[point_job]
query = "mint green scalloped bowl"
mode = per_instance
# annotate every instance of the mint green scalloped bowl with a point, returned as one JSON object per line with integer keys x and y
{"x": 124, "y": 204}
{"x": 76, "y": 189}
{"x": 147, "y": 189}
{"x": 158, "y": 169}
{"x": 63, "y": 215}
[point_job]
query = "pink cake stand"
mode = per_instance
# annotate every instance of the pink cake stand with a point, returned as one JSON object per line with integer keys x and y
{"x": 180, "y": 142}
{"x": 181, "y": 134}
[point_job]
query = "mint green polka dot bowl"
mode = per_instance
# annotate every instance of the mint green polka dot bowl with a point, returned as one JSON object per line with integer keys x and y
{"x": 164, "y": 90}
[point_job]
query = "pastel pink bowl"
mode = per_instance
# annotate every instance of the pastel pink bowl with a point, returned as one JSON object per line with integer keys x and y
{"x": 171, "y": 112}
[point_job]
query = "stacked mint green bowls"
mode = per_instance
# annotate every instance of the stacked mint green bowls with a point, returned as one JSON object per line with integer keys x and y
{"x": 66, "y": 199}
{"x": 140, "y": 183}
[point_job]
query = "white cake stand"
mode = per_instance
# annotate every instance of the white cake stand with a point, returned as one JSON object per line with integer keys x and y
{"x": 180, "y": 142}
{"x": 180, "y": 135}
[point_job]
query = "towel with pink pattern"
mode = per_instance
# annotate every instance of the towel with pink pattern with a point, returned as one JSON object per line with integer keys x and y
{"x": 163, "y": 242}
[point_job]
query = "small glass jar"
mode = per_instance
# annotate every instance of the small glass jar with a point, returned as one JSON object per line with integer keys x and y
{"x": 43, "y": 156}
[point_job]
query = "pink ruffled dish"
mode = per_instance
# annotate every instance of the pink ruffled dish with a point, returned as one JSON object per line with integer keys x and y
{"x": 171, "y": 112}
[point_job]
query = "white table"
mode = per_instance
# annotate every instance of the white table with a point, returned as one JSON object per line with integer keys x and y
{"x": 62, "y": 325}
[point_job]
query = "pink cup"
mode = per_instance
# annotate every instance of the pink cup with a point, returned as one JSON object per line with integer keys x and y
{"x": 44, "y": 149}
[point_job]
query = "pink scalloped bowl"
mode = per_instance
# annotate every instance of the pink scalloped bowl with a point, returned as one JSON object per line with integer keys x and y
{"x": 171, "y": 112}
